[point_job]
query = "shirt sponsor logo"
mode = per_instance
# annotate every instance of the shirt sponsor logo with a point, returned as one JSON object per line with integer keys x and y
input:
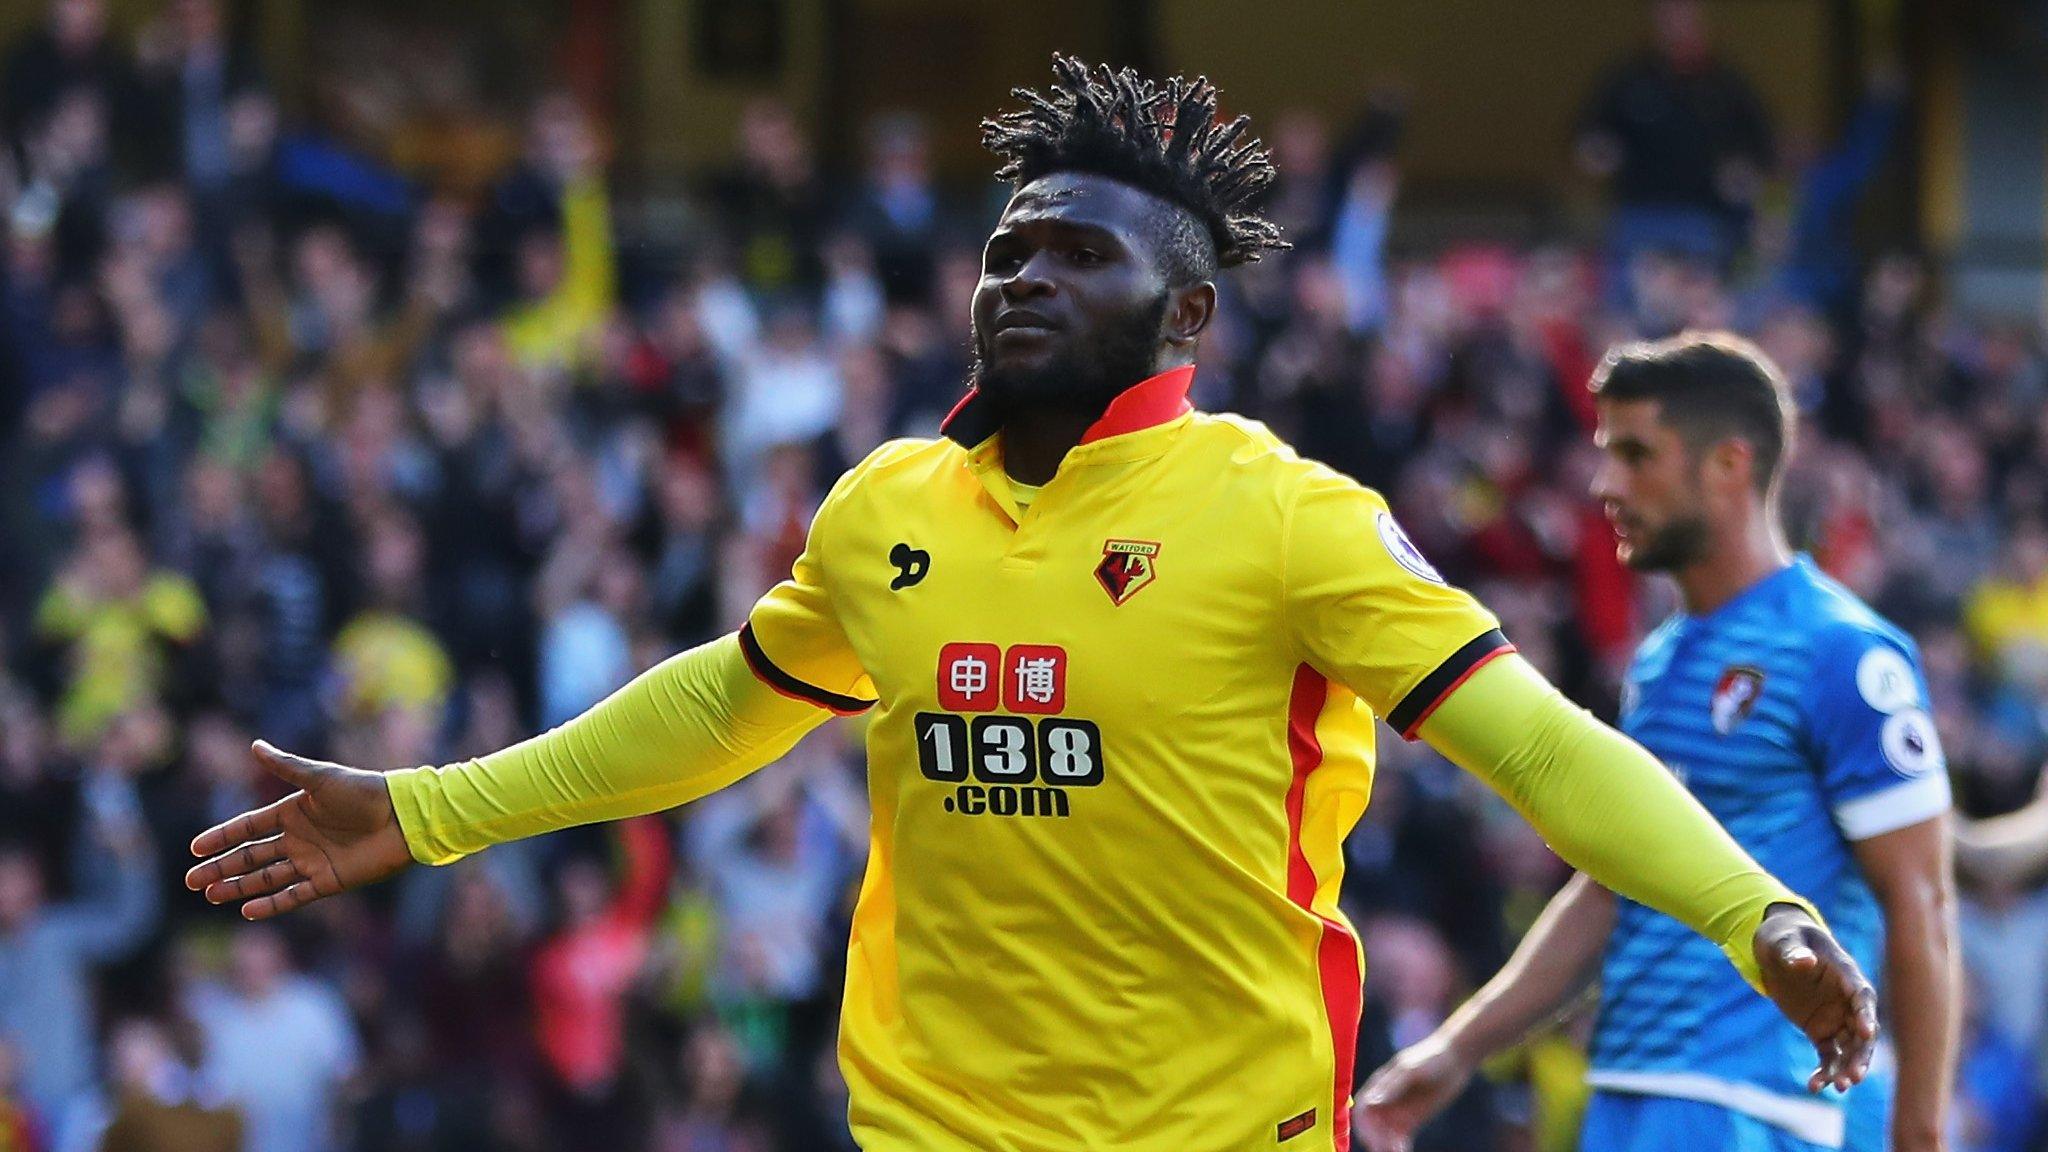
{"x": 1735, "y": 697}
{"x": 967, "y": 677}
{"x": 1126, "y": 566}
{"x": 1035, "y": 679}
{"x": 1020, "y": 761}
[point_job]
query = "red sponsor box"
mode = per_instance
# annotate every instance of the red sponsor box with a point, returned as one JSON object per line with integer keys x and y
{"x": 969, "y": 677}
{"x": 1035, "y": 679}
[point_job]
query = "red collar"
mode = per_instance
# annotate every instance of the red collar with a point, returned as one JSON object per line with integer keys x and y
{"x": 1147, "y": 404}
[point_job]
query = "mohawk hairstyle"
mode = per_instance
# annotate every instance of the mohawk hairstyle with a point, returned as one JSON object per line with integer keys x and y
{"x": 1161, "y": 138}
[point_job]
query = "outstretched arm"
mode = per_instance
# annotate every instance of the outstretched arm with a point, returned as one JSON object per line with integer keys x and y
{"x": 687, "y": 727}
{"x": 1612, "y": 811}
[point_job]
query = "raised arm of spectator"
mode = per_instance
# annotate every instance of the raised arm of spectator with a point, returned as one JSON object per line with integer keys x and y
{"x": 121, "y": 903}
{"x": 649, "y": 859}
{"x": 2008, "y": 849}
{"x": 263, "y": 294}
{"x": 580, "y": 303}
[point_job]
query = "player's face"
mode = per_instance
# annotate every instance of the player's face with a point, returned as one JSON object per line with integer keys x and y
{"x": 1650, "y": 486}
{"x": 1072, "y": 307}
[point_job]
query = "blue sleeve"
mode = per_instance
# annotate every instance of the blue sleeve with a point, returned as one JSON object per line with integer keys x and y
{"x": 1880, "y": 759}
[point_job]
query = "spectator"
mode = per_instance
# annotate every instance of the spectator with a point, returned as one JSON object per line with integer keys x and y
{"x": 1681, "y": 139}
{"x": 778, "y": 856}
{"x": 773, "y": 202}
{"x": 896, "y": 209}
{"x": 162, "y": 1101}
{"x": 2007, "y": 614}
{"x": 72, "y": 53}
{"x": 386, "y": 657}
{"x": 580, "y": 977}
{"x": 1412, "y": 988}
{"x": 18, "y": 1129}
{"x": 195, "y": 75}
{"x": 565, "y": 280}
{"x": 279, "y": 1045}
{"x": 48, "y": 951}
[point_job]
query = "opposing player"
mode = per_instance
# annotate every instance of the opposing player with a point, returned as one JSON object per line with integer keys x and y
{"x": 1799, "y": 717}
{"x": 1123, "y": 661}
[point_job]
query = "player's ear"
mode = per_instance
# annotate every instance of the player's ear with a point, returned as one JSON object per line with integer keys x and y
{"x": 1189, "y": 310}
{"x": 1731, "y": 460}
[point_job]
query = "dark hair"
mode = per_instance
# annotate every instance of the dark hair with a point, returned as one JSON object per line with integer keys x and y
{"x": 1709, "y": 386}
{"x": 1160, "y": 138}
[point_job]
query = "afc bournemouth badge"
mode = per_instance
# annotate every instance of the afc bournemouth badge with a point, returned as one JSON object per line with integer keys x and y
{"x": 1127, "y": 565}
{"x": 1735, "y": 697}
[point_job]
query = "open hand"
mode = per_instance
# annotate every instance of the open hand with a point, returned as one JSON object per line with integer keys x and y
{"x": 337, "y": 832}
{"x": 1819, "y": 988}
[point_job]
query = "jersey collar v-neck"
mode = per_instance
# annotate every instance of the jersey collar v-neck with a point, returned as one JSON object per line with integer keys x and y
{"x": 1150, "y": 402}
{"x": 1136, "y": 424}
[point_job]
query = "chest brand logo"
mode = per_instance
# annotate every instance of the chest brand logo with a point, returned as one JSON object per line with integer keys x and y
{"x": 1735, "y": 697}
{"x": 911, "y": 565}
{"x": 1127, "y": 565}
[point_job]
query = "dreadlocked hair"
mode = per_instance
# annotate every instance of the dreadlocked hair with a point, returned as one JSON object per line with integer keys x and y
{"x": 1161, "y": 138}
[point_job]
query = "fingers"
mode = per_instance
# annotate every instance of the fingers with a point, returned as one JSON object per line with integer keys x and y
{"x": 1864, "y": 1011}
{"x": 296, "y": 771}
{"x": 262, "y": 882}
{"x": 1847, "y": 1020}
{"x": 1378, "y": 1135}
{"x": 247, "y": 858}
{"x": 1381, "y": 1087}
{"x": 297, "y": 896}
{"x": 1796, "y": 955}
{"x": 1856, "y": 1043}
{"x": 1383, "y": 1129}
{"x": 260, "y": 824}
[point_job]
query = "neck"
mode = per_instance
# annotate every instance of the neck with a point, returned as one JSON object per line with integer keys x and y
{"x": 1037, "y": 436}
{"x": 1756, "y": 550}
{"x": 1036, "y": 439}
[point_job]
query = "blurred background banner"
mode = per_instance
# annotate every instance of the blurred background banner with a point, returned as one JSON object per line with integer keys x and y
{"x": 392, "y": 380}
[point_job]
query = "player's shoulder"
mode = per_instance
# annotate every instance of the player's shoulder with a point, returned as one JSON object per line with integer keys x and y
{"x": 1838, "y": 620}
{"x": 897, "y": 474}
{"x": 1257, "y": 453}
{"x": 901, "y": 463}
{"x": 907, "y": 454}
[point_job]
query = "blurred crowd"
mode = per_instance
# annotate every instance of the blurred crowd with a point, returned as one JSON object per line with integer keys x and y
{"x": 298, "y": 446}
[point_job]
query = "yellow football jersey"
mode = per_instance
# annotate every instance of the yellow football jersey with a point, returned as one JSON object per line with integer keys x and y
{"x": 1117, "y": 741}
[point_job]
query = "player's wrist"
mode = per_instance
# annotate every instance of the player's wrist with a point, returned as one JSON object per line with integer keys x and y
{"x": 1917, "y": 1136}
{"x": 1466, "y": 1039}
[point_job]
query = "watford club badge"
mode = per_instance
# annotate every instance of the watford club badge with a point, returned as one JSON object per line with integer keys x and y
{"x": 1127, "y": 566}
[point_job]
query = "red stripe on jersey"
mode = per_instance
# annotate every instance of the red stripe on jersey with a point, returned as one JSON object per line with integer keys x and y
{"x": 1336, "y": 952}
